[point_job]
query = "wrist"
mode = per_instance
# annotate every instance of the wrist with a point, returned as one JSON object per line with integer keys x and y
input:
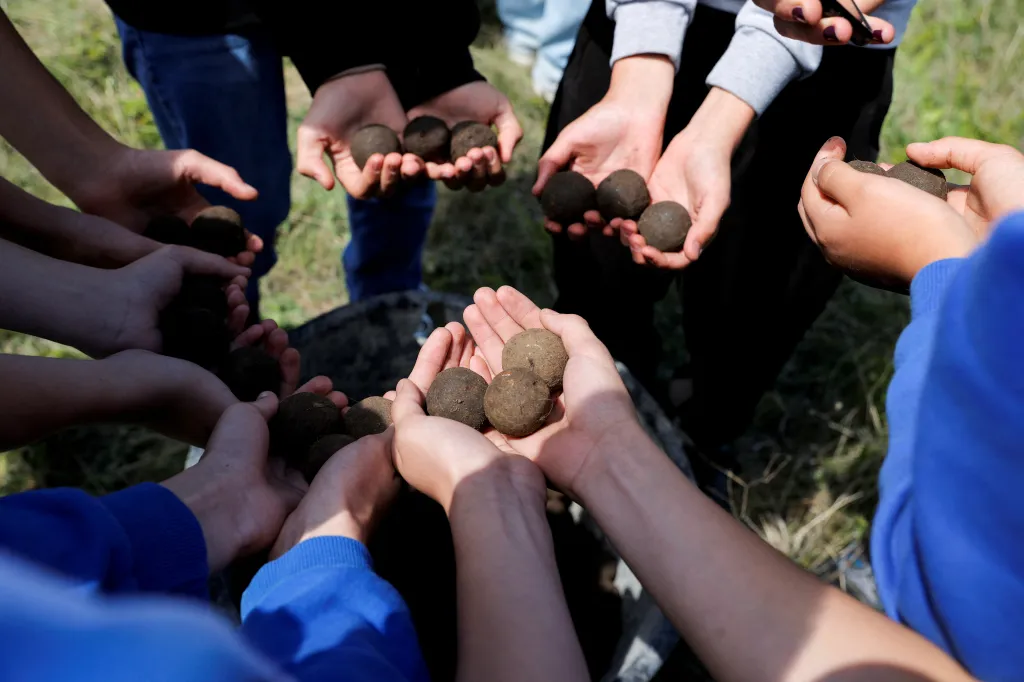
{"x": 220, "y": 510}
{"x": 94, "y": 166}
{"x": 722, "y": 120}
{"x": 611, "y": 460}
{"x": 506, "y": 480}
{"x": 643, "y": 83}
{"x": 301, "y": 526}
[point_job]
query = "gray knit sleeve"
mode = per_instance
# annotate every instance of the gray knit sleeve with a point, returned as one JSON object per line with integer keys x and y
{"x": 649, "y": 27}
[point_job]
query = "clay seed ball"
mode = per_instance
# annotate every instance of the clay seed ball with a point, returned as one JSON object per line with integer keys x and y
{"x": 218, "y": 230}
{"x": 368, "y": 417}
{"x": 541, "y": 352}
{"x": 471, "y": 135}
{"x": 623, "y": 194}
{"x": 374, "y": 139}
{"x": 930, "y": 180}
{"x": 428, "y": 137}
{"x": 196, "y": 335}
{"x": 664, "y": 225}
{"x": 458, "y": 393}
{"x": 567, "y": 196}
{"x": 320, "y": 452}
{"x": 301, "y": 420}
{"x": 249, "y": 371}
{"x": 517, "y": 402}
{"x": 203, "y": 291}
{"x": 867, "y": 167}
{"x": 168, "y": 229}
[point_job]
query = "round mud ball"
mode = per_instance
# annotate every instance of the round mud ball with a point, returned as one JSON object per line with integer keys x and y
{"x": 471, "y": 135}
{"x": 867, "y": 167}
{"x": 623, "y": 194}
{"x": 320, "y": 452}
{"x": 428, "y": 137}
{"x": 218, "y": 230}
{"x": 249, "y": 371}
{"x": 567, "y": 196}
{"x": 373, "y": 139}
{"x": 664, "y": 225}
{"x": 301, "y": 420}
{"x": 458, "y": 393}
{"x": 368, "y": 417}
{"x": 205, "y": 292}
{"x": 168, "y": 229}
{"x": 196, "y": 335}
{"x": 930, "y": 180}
{"x": 540, "y": 351}
{"x": 517, "y": 402}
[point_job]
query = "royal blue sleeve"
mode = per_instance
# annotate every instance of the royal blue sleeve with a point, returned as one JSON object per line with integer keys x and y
{"x": 141, "y": 539}
{"x": 320, "y": 610}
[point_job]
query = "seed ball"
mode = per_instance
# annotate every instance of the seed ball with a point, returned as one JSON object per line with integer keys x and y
{"x": 930, "y": 180}
{"x": 301, "y": 420}
{"x": 374, "y": 139}
{"x": 168, "y": 229}
{"x": 205, "y": 292}
{"x": 428, "y": 137}
{"x": 664, "y": 225}
{"x": 517, "y": 402}
{"x": 218, "y": 230}
{"x": 471, "y": 135}
{"x": 567, "y": 196}
{"x": 320, "y": 452}
{"x": 623, "y": 194}
{"x": 540, "y": 351}
{"x": 458, "y": 393}
{"x": 249, "y": 371}
{"x": 867, "y": 167}
{"x": 196, "y": 335}
{"x": 368, "y": 417}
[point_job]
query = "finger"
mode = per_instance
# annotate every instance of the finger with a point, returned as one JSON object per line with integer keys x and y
{"x": 276, "y": 342}
{"x": 654, "y": 257}
{"x": 196, "y": 262}
{"x": 458, "y": 333}
{"x": 520, "y": 308}
{"x": 463, "y": 168}
{"x": 412, "y": 166}
{"x": 831, "y": 31}
{"x": 408, "y": 402}
{"x": 489, "y": 344}
{"x": 234, "y": 295}
{"x": 310, "y": 147}
{"x": 712, "y": 208}
{"x": 266, "y": 404}
{"x": 799, "y": 11}
{"x": 674, "y": 261}
{"x": 495, "y": 314}
{"x": 431, "y": 359}
{"x": 253, "y": 242}
{"x": 839, "y": 182}
{"x": 391, "y": 173}
{"x": 245, "y": 258}
{"x": 390, "y": 395}
{"x": 955, "y": 152}
{"x": 593, "y": 219}
{"x": 509, "y": 132}
{"x": 290, "y": 362}
{"x": 364, "y": 183}
{"x": 201, "y": 169}
{"x": 554, "y": 159}
{"x": 552, "y": 227}
{"x": 492, "y": 161}
{"x": 577, "y": 231}
{"x": 237, "y": 317}
{"x": 576, "y": 335}
{"x": 249, "y": 337}
{"x": 468, "y": 350}
{"x": 478, "y": 364}
{"x": 480, "y": 166}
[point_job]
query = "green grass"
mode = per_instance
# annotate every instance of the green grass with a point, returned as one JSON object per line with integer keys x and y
{"x": 809, "y": 463}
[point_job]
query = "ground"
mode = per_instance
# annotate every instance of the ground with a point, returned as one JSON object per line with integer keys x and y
{"x": 811, "y": 459}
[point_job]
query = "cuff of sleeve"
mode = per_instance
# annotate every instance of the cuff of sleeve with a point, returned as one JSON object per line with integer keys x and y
{"x": 755, "y": 68}
{"x": 649, "y": 28}
{"x": 168, "y": 547}
{"x": 928, "y": 287}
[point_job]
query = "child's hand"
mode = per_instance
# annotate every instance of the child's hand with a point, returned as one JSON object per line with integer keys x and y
{"x": 877, "y": 229}
{"x": 274, "y": 341}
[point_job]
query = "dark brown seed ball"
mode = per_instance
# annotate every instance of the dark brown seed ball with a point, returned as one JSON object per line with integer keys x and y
{"x": 196, "y": 335}
{"x": 517, "y": 402}
{"x": 218, "y": 230}
{"x": 471, "y": 135}
{"x": 249, "y": 371}
{"x": 867, "y": 167}
{"x": 458, "y": 393}
{"x": 321, "y": 451}
{"x": 301, "y": 420}
{"x": 374, "y": 139}
{"x": 540, "y": 351}
{"x": 368, "y": 417}
{"x": 623, "y": 194}
{"x": 428, "y": 137}
{"x": 168, "y": 229}
{"x": 930, "y": 180}
{"x": 205, "y": 292}
{"x": 567, "y": 196}
{"x": 664, "y": 225}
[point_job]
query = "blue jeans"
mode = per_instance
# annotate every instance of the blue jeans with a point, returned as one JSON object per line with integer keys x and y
{"x": 547, "y": 27}
{"x": 224, "y": 96}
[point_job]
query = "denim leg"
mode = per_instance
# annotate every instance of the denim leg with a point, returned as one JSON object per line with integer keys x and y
{"x": 521, "y": 20}
{"x": 222, "y": 95}
{"x": 557, "y": 34}
{"x": 385, "y": 252}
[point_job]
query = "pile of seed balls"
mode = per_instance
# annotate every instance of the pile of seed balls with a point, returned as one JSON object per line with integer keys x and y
{"x": 425, "y": 136}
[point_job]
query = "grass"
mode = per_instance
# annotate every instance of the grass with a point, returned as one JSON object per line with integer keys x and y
{"x": 810, "y": 462}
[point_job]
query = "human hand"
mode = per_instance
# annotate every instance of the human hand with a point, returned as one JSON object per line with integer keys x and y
{"x": 997, "y": 187}
{"x": 340, "y": 108}
{"x": 623, "y": 130}
{"x": 274, "y": 342}
{"x": 805, "y": 20}
{"x": 483, "y": 103}
{"x": 879, "y": 230}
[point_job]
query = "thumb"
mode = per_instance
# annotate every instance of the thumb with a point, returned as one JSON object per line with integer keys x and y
{"x": 201, "y": 169}
{"x": 408, "y": 402}
{"x": 509, "y": 132}
{"x": 554, "y": 159}
{"x": 196, "y": 262}
{"x": 576, "y": 335}
{"x": 712, "y": 208}
{"x": 310, "y": 146}
{"x": 266, "y": 403}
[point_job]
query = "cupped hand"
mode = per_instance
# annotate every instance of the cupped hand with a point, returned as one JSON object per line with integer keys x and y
{"x": 879, "y": 230}
{"x": 274, "y": 342}
{"x": 805, "y": 20}
{"x": 483, "y": 103}
{"x": 340, "y": 108}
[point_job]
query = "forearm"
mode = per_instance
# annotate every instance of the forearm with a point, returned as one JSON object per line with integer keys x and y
{"x": 722, "y": 120}
{"x": 745, "y": 609}
{"x": 644, "y": 83}
{"x": 507, "y": 579}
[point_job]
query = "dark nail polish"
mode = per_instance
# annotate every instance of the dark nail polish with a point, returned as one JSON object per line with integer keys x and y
{"x": 877, "y": 35}
{"x": 798, "y": 15}
{"x": 830, "y": 34}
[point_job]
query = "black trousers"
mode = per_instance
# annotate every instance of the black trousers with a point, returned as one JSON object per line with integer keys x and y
{"x": 761, "y": 283}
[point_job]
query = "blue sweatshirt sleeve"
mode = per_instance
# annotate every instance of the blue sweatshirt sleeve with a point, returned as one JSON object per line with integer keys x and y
{"x": 321, "y": 609}
{"x": 141, "y": 539}
{"x": 949, "y": 540}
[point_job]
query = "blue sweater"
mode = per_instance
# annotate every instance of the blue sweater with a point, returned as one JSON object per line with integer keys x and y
{"x": 84, "y": 586}
{"x": 947, "y": 537}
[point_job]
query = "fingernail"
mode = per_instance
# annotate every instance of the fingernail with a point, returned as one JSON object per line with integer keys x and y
{"x": 830, "y": 34}
{"x": 877, "y": 35}
{"x": 798, "y": 15}
{"x": 265, "y": 394}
